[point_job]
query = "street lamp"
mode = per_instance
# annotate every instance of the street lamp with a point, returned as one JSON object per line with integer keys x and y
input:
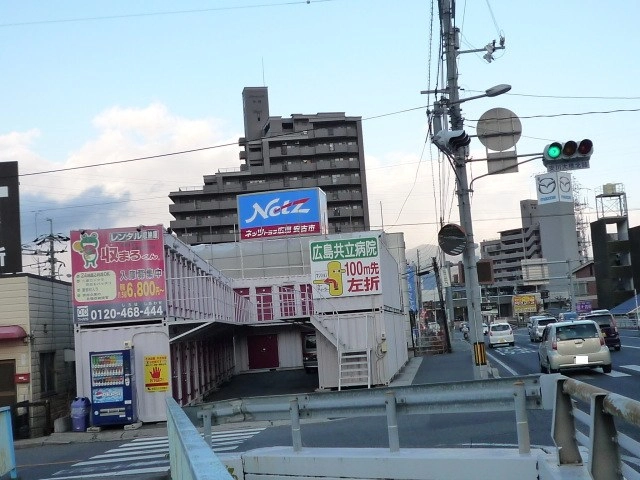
{"x": 489, "y": 92}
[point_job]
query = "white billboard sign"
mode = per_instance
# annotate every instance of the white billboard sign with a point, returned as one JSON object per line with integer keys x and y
{"x": 554, "y": 187}
{"x": 345, "y": 267}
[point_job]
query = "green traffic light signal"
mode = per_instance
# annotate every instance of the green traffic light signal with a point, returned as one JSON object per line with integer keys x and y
{"x": 553, "y": 151}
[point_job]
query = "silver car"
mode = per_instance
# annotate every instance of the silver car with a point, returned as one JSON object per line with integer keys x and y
{"x": 538, "y": 323}
{"x": 568, "y": 345}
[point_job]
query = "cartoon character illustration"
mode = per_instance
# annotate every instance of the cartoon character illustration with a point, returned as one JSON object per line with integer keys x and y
{"x": 87, "y": 246}
{"x": 333, "y": 279}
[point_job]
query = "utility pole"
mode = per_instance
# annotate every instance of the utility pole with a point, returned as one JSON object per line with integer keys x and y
{"x": 445, "y": 323}
{"x": 419, "y": 280}
{"x": 450, "y": 41}
{"x": 52, "y": 254}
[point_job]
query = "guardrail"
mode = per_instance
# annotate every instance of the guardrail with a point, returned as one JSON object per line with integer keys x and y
{"x": 503, "y": 394}
{"x": 603, "y": 440}
{"x": 7, "y": 452}
{"x": 190, "y": 458}
{"x": 602, "y": 443}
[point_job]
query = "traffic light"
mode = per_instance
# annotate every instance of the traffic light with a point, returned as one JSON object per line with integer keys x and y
{"x": 450, "y": 140}
{"x": 557, "y": 152}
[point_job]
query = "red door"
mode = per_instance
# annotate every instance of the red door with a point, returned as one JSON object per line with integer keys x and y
{"x": 8, "y": 396}
{"x": 263, "y": 351}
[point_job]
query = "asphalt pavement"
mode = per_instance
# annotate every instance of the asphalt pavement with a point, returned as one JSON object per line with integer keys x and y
{"x": 448, "y": 367}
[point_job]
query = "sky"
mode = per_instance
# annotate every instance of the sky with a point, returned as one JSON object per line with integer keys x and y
{"x": 102, "y": 84}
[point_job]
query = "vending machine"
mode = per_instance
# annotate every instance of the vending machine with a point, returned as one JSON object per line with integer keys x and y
{"x": 113, "y": 388}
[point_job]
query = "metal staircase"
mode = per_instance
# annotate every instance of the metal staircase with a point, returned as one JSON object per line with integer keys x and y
{"x": 354, "y": 358}
{"x": 354, "y": 368}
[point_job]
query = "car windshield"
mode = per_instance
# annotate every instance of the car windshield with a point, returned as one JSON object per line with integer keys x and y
{"x": 500, "y": 327}
{"x": 572, "y": 332}
{"x": 546, "y": 321}
{"x": 602, "y": 320}
{"x": 310, "y": 342}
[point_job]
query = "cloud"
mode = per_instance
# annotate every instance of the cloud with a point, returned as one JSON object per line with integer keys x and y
{"x": 120, "y": 194}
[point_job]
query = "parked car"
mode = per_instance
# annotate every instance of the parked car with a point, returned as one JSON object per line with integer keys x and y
{"x": 537, "y": 326}
{"x": 570, "y": 345}
{"x": 485, "y": 328}
{"x": 500, "y": 333}
{"x": 309, "y": 352}
{"x": 608, "y": 326}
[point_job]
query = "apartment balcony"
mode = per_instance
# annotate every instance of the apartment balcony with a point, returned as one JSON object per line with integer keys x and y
{"x": 295, "y": 166}
{"x": 346, "y": 213}
{"x": 181, "y": 207}
{"x": 182, "y": 224}
{"x": 511, "y": 237}
{"x": 342, "y": 196}
{"x": 336, "y": 132}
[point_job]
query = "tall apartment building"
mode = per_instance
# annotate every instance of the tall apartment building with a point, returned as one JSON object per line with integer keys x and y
{"x": 513, "y": 246}
{"x": 322, "y": 150}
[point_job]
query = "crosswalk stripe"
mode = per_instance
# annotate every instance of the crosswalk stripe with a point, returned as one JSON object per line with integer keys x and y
{"x": 148, "y": 439}
{"x": 635, "y": 368}
{"x": 127, "y": 453}
{"x": 133, "y": 471}
{"x": 615, "y": 374}
{"x": 119, "y": 460}
{"x": 146, "y": 455}
{"x": 136, "y": 448}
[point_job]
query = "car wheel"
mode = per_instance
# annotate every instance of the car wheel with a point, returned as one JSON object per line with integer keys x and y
{"x": 531, "y": 339}
{"x": 513, "y": 344}
{"x": 491, "y": 345}
{"x": 617, "y": 348}
{"x": 606, "y": 368}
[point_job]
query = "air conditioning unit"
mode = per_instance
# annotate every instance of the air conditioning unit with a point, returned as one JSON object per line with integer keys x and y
{"x": 609, "y": 188}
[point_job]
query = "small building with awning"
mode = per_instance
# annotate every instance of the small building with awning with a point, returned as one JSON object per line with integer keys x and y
{"x": 37, "y": 368}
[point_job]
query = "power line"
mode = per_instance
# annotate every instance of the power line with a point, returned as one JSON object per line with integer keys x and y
{"x": 157, "y": 14}
{"x": 137, "y": 159}
{"x": 194, "y": 150}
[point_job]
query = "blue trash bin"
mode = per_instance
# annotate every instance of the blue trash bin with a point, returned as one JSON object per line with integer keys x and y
{"x": 80, "y": 411}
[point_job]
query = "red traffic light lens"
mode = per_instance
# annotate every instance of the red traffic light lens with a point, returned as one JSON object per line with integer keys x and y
{"x": 585, "y": 147}
{"x": 569, "y": 149}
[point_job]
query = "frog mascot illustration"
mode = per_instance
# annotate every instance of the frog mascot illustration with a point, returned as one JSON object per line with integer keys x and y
{"x": 87, "y": 246}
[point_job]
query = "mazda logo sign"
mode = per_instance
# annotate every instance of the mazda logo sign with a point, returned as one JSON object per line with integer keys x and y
{"x": 565, "y": 184}
{"x": 546, "y": 185}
